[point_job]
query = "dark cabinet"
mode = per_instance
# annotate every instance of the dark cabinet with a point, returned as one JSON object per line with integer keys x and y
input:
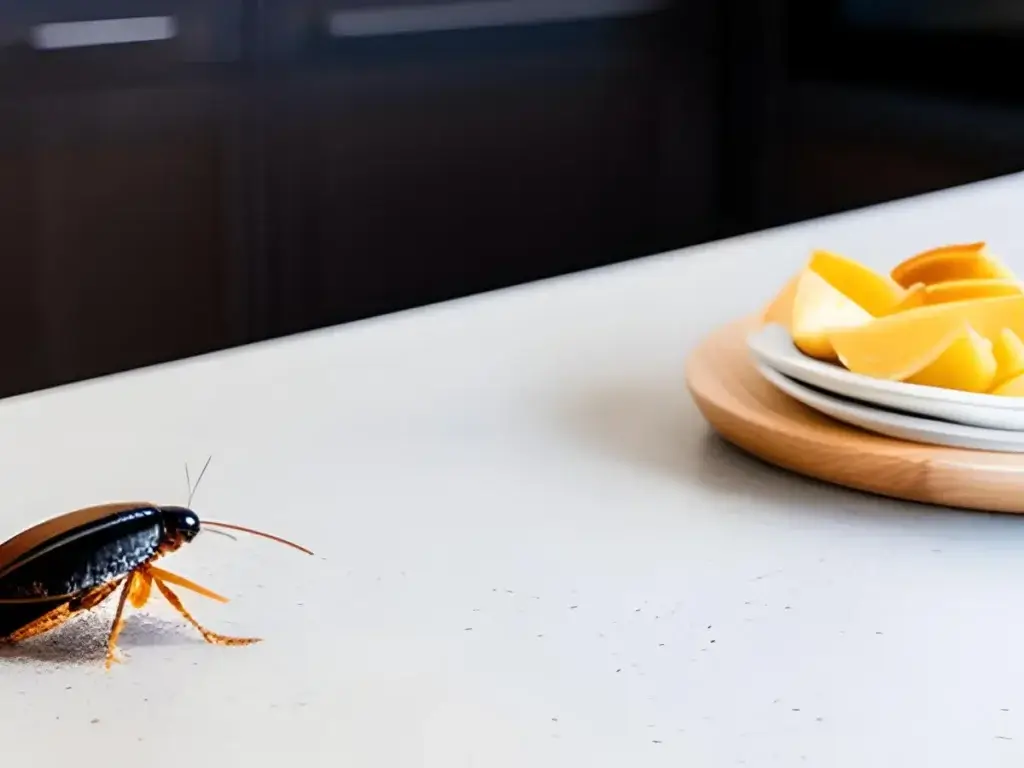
{"x": 181, "y": 176}
{"x": 414, "y": 156}
{"x": 872, "y": 102}
{"x": 855, "y": 146}
{"x": 119, "y": 199}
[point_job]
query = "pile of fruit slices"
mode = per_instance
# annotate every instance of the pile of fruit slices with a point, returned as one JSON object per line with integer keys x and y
{"x": 950, "y": 317}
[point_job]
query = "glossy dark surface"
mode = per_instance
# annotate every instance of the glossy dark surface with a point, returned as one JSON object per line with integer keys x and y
{"x": 78, "y": 559}
{"x": 180, "y": 523}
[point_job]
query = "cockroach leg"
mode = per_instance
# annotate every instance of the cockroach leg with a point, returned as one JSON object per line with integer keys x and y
{"x": 180, "y": 581}
{"x": 115, "y": 628}
{"x": 139, "y": 588}
{"x": 45, "y": 623}
{"x": 210, "y": 637}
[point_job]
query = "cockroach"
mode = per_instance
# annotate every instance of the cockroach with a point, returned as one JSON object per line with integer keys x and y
{"x": 73, "y": 562}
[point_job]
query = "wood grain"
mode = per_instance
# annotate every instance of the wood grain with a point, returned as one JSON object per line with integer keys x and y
{"x": 750, "y": 413}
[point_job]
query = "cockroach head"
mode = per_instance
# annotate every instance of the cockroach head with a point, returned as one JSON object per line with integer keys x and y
{"x": 180, "y": 523}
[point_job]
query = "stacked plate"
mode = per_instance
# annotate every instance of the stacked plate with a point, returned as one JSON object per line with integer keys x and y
{"x": 910, "y": 412}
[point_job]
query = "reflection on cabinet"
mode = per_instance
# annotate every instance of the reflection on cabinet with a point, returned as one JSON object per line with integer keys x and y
{"x": 119, "y": 189}
{"x": 412, "y": 168}
{"x": 185, "y": 175}
{"x": 850, "y": 147}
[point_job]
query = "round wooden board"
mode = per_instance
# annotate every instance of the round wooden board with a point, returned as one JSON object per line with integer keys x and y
{"x": 750, "y": 413}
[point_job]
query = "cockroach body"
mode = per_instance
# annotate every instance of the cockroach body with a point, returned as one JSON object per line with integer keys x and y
{"x": 73, "y": 562}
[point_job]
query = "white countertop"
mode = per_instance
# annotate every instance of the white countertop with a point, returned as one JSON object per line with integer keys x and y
{"x": 530, "y": 550}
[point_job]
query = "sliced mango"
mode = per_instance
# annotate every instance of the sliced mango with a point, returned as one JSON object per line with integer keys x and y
{"x": 780, "y": 309}
{"x": 899, "y": 345}
{"x": 950, "y": 317}
{"x": 1012, "y": 388}
{"x": 967, "y": 364}
{"x": 913, "y": 297}
{"x": 818, "y": 309}
{"x": 968, "y": 261}
{"x": 1009, "y": 352}
{"x": 878, "y": 294}
{"x": 960, "y": 290}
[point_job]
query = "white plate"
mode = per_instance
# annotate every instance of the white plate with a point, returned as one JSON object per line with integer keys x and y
{"x": 898, "y": 425}
{"x": 773, "y": 346}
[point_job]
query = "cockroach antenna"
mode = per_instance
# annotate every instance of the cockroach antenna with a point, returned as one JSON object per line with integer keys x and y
{"x": 192, "y": 492}
{"x": 193, "y": 488}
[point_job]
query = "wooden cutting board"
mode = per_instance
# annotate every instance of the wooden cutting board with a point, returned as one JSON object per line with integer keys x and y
{"x": 750, "y": 413}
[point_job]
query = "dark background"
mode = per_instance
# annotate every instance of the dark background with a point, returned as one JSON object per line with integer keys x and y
{"x": 263, "y": 167}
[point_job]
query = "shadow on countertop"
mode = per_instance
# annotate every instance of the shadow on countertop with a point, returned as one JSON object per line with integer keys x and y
{"x": 83, "y": 640}
{"x": 654, "y": 426}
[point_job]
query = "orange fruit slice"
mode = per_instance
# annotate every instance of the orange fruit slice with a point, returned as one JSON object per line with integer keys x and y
{"x": 967, "y": 363}
{"x": 969, "y": 261}
{"x": 878, "y": 294}
{"x": 900, "y": 345}
{"x": 1009, "y": 353}
{"x": 913, "y": 297}
{"x": 961, "y": 290}
{"x": 818, "y": 309}
{"x": 780, "y": 309}
{"x": 1012, "y": 388}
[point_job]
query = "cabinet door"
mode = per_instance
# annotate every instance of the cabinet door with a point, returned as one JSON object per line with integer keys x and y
{"x": 120, "y": 191}
{"x": 420, "y": 152}
{"x": 849, "y": 147}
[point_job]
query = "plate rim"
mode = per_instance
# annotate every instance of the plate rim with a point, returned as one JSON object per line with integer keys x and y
{"x": 936, "y": 427}
{"x": 900, "y": 389}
